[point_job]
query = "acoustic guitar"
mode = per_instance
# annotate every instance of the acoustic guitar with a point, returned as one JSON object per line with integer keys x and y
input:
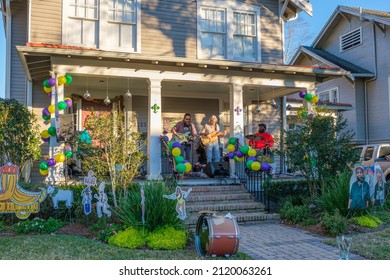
{"x": 186, "y": 137}
{"x": 213, "y": 137}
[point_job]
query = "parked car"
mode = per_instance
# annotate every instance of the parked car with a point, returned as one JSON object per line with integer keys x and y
{"x": 372, "y": 153}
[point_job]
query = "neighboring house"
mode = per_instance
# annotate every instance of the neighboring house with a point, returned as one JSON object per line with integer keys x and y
{"x": 356, "y": 40}
{"x": 202, "y": 57}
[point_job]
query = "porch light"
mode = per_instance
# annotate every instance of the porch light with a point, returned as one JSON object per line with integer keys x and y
{"x": 274, "y": 104}
{"x": 128, "y": 93}
{"x": 288, "y": 107}
{"x": 87, "y": 95}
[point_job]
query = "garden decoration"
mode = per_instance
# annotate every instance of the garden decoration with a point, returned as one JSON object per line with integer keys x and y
{"x": 58, "y": 195}
{"x": 143, "y": 204}
{"x": 181, "y": 197}
{"x": 344, "y": 244}
{"x": 359, "y": 189}
{"x": 102, "y": 202}
{"x": 87, "y": 192}
{"x": 13, "y": 198}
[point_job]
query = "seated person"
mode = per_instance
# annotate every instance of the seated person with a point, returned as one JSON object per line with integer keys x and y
{"x": 264, "y": 140}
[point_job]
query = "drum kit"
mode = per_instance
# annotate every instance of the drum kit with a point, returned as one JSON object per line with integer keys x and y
{"x": 253, "y": 137}
{"x": 216, "y": 235}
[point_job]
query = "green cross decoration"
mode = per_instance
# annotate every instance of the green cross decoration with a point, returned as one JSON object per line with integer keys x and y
{"x": 155, "y": 108}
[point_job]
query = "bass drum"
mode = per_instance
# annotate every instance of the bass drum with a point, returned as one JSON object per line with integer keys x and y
{"x": 217, "y": 236}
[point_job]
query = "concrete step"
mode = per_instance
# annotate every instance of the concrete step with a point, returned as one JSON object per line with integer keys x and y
{"x": 230, "y": 196}
{"x": 224, "y": 206}
{"x": 214, "y": 188}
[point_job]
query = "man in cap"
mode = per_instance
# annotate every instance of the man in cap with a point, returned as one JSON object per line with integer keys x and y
{"x": 263, "y": 140}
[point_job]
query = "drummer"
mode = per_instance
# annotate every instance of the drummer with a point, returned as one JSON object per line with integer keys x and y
{"x": 262, "y": 141}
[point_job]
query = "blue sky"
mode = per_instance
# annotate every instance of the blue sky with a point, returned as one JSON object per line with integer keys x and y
{"x": 322, "y": 10}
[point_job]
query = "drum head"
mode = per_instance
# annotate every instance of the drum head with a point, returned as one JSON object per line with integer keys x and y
{"x": 202, "y": 235}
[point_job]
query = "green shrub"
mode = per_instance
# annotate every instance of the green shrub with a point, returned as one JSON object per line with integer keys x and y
{"x": 367, "y": 221}
{"x": 104, "y": 230}
{"x": 129, "y": 238}
{"x": 278, "y": 190}
{"x": 334, "y": 224}
{"x": 294, "y": 214}
{"x": 159, "y": 211}
{"x": 335, "y": 195}
{"x": 167, "y": 239}
{"x": 2, "y": 226}
{"x": 38, "y": 225}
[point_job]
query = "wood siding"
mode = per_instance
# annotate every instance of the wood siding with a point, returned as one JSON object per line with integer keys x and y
{"x": 18, "y": 82}
{"x": 46, "y": 21}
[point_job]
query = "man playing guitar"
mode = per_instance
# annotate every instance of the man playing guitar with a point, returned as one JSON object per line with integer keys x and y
{"x": 210, "y": 135}
{"x": 182, "y": 132}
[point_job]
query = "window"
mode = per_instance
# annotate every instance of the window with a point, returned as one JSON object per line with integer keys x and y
{"x": 104, "y": 24}
{"x": 329, "y": 95}
{"x": 351, "y": 39}
{"x": 228, "y": 30}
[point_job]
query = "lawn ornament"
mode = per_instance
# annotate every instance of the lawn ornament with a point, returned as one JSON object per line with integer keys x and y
{"x": 57, "y": 195}
{"x": 181, "y": 197}
{"x": 13, "y": 198}
{"x": 143, "y": 204}
{"x": 87, "y": 192}
{"x": 102, "y": 203}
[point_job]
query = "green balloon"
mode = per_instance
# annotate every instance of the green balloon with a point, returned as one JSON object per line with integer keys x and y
{"x": 308, "y": 96}
{"x": 179, "y": 159}
{"x": 180, "y": 167}
{"x": 68, "y": 79}
{"x": 304, "y": 115}
{"x": 61, "y": 105}
{"x": 170, "y": 143}
{"x": 249, "y": 163}
{"x": 68, "y": 154}
{"x": 46, "y": 118}
{"x": 52, "y": 131}
{"x": 43, "y": 165}
{"x": 232, "y": 140}
{"x": 244, "y": 149}
{"x": 47, "y": 85}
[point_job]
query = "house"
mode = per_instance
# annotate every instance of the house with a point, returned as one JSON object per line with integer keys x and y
{"x": 174, "y": 56}
{"x": 356, "y": 40}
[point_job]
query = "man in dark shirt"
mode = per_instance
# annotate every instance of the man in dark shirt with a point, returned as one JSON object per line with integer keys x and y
{"x": 183, "y": 132}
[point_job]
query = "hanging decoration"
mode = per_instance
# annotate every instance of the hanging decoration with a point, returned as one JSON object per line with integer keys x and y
{"x": 128, "y": 93}
{"x": 102, "y": 202}
{"x": 181, "y": 197}
{"x": 107, "y": 100}
{"x": 238, "y": 110}
{"x": 13, "y": 198}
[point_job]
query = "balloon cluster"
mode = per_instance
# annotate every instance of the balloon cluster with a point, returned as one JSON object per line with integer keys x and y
{"x": 49, "y": 83}
{"x": 51, "y": 109}
{"x": 309, "y": 97}
{"x": 44, "y": 165}
{"x": 182, "y": 165}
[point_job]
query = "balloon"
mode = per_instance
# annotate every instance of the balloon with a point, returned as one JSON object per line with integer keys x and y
{"x": 231, "y": 148}
{"x": 46, "y": 84}
{"x": 308, "y": 96}
{"x": 188, "y": 166}
{"x": 68, "y": 148}
{"x": 179, "y": 159}
{"x": 252, "y": 158}
{"x": 47, "y": 89}
{"x": 68, "y": 154}
{"x": 45, "y": 134}
{"x": 61, "y": 80}
{"x": 51, "y": 162}
{"x": 302, "y": 94}
{"x": 304, "y": 115}
{"x": 43, "y": 165}
{"x": 52, "y": 131}
{"x": 180, "y": 167}
{"x": 249, "y": 163}
{"x": 238, "y": 159}
{"x": 44, "y": 172}
{"x": 251, "y": 152}
{"x": 69, "y": 103}
{"x": 244, "y": 149}
{"x": 176, "y": 144}
{"x": 45, "y": 112}
{"x": 46, "y": 139}
{"x": 52, "y": 82}
{"x": 68, "y": 79}
{"x": 239, "y": 154}
{"x": 176, "y": 152}
{"x": 265, "y": 166}
{"x": 231, "y": 155}
{"x": 255, "y": 166}
{"x": 46, "y": 118}
{"x": 51, "y": 109}
{"x": 170, "y": 145}
{"x": 232, "y": 140}
{"x": 314, "y": 99}
{"x": 62, "y": 105}
{"x": 59, "y": 157}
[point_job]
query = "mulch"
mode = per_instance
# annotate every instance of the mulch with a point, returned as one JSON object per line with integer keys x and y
{"x": 77, "y": 229}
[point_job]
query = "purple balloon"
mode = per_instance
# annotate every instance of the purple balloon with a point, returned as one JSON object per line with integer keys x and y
{"x": 176, "y": 145}
{"x": 68, "y": 148}
{"x": 239, "y": 154}
{"x": 46, "y": 139}
{"x": 166, "y": 138}
{"x": 319, "y": 102}
{"x": 265, "y": 166}
{"x": 231, "y": 155}
{"x": 252, "y": 158}
{"x": 51, "y": 162}
{"x": 45, "y": 112}
{"x": 52, "y": 82}
{"x": 49, "y": 95}
{"x": 302, "y": 94}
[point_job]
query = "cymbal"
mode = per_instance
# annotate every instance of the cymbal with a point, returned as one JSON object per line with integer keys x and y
{"x": 253, "y": 137}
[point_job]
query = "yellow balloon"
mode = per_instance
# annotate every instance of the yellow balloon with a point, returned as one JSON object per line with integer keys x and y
{"x": 314, "y": 99}
{"x": 61, "y": 80}
{"x": 255, "y": 166}
{"x": 238, "y": 159}
{"x": 60, "y": 157}
{"x": 176, "y": 152}
{"x": 44, "y": 172}
{"x": 45, "y": 134}
{"x": 252, "y": 152}
{"x": 47, "y": 89}
{"x": 231, "y": 148}
{"x": 51, "y": 108}
{"x": 188, "y": 166}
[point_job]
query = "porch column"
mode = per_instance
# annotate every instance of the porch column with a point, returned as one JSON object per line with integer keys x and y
{"x": 236, "y": 117}
{"x": 154, "y": 129}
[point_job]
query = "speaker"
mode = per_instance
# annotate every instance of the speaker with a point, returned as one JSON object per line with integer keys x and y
{"x": 216, "y": 169}
{"x": 66, "y": 128}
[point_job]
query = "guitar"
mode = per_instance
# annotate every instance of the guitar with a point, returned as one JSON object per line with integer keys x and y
{"x": 186, "y": 137}
{"x": 213, "y": 137}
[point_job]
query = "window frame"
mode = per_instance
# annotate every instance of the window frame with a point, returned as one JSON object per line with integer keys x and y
{"x": 330, "y": 92}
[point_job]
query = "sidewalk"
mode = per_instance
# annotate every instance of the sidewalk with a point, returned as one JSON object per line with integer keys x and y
{"x": 275, "y": 241}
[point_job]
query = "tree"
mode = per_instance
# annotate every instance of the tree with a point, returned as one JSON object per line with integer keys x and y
{"x": 19, "y": 133}
{"x": 116, "y": 151}
{"x": 321, "y": 147}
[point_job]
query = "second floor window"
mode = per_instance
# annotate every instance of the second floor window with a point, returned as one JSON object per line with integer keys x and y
{"x": 213, "y": 34}
{"x": 329, "y": 95}
{"x": 244, "y": 35}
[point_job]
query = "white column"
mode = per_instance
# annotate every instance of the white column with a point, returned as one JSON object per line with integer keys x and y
{"x": 154, "y": 129}
{"x": 236, "y": 116}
